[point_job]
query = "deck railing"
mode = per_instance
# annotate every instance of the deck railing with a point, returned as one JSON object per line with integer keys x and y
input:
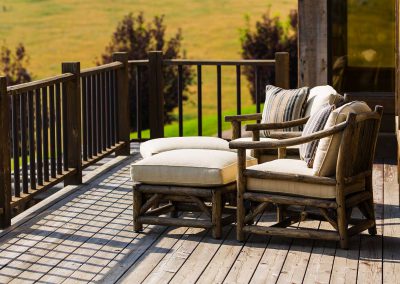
{"x": 155, "y": 64}
{"x": 51, "y": 129}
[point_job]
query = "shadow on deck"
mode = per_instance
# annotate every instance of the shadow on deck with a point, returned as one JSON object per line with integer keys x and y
{"x": 84, "y": 234}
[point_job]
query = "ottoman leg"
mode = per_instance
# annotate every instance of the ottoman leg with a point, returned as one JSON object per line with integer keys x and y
{"x": 216, "y": 214}
{"x": 174, "y": 213}
{"x": 137, "y": 205}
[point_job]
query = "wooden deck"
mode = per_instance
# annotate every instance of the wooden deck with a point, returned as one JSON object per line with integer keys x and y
{"x": 84, "y": 234}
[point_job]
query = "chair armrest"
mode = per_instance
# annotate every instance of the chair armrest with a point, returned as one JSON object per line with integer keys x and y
{"x": 277, "y": 125}
{"x": 288, "y": 142}
{"x": 284, "y": 135}
{"x": 243, "y": 117}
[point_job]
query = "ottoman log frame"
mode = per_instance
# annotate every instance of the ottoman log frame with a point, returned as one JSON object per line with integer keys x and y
{"x": 150, "y": 201}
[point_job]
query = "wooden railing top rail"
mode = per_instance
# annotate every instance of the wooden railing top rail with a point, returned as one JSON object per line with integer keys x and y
{"x": 139, "y": 62}
{"x": 25, "y": 87}
{"x": 260, "y": 62}
{"x": 101, "y": 68}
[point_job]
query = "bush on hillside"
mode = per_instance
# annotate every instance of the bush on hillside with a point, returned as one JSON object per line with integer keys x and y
{"x": 14, "y": 65}
{"x": 271, "y": 35}
{"x": 136, "y": 37}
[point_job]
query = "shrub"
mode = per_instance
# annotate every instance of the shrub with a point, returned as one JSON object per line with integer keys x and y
{"x": 271, "y": 35}
{"x": 136, "y": 37}
{"x": 13, "y": 65}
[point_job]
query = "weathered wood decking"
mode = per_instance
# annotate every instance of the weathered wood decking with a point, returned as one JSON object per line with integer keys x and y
{"x": 87, "y": 236}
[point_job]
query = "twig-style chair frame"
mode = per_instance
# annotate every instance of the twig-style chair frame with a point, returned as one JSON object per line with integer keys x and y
{"x": 355, "y": 160}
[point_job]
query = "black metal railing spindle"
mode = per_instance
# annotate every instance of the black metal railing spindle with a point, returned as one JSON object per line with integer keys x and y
{"x": 64, "y": 127}
{"x": 84, "y": 119}
{"x": 58, "y": 129}
{"x": 31, "y": 134}
{"x": 24, "y": 142}
{"x": 15, "y": 145}
{"x": 53, "y": 172}
{"x": 219, "y": 100}
{"x": 180, "y": 99}
{"x": 45, "y": 135}
{"x": 39, "y": 156}
{"x": 257, "y": 93}
{"x": 199, "y": 101}
{"x": 138, "y": 103}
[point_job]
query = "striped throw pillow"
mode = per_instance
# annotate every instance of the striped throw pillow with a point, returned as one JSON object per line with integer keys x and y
{"x": 315, "y": 123}
{"x": 283, "y": 105}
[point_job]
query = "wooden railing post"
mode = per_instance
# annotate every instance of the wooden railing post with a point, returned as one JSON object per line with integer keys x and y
{"x": 156, "y": 98}
{"x": 72, "y": 91}
{"x": 5, "y": 155}
{"x": 123, "y": 103}
{"x": 282, "y": 76}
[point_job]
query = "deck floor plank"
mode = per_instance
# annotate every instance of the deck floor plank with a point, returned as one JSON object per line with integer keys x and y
{"x": 200, "y": 257}
{"x": 296, "y": 262}
{"x": 176, "y": 258}
{"x": 391, "y": 227}
{"x": 370, "y": 262}
{"x": 319, "y": 267}
{"x": 149, "y": 261}
{"x": 246, "y": 263}
{"x": 88, "y": 237}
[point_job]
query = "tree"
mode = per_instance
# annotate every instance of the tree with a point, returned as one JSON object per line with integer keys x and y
{"x": 13, "y": 65}
{"x": 136, "y": 37}
{"x": 270, "y": 36}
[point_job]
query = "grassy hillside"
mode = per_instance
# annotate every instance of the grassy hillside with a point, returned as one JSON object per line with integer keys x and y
{"x": 73, "y": 30}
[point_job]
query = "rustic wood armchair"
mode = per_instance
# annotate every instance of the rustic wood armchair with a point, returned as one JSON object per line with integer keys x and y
{"x": 332, "y": 198}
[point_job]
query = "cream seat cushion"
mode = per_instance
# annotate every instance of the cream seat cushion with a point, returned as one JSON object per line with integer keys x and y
{"x": 160, "y": 145}
{"x": 188, "y": 167}
{"x": 328, "y": 148}
{"x": 296, "y": 167}
{"x": 320, "y": 96}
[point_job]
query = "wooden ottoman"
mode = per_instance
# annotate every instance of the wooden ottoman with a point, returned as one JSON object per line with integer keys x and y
{"x": 185, "y": 180}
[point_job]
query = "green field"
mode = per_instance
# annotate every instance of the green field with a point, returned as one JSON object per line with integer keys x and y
{"x": 73, "y": 30}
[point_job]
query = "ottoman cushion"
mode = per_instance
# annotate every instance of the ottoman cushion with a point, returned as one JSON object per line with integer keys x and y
{"x": 156, "y": 146}
{"x": 188, "y": 167}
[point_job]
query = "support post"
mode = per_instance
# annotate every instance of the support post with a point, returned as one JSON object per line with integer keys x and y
{"x": 123, "y": 103}
{"x": 282, "y": 67}
{"x": 313, "y": 43}
{"x": 156, "y": 98}
{"x": 5, "y": 155}
{"x": 72, "y": 91}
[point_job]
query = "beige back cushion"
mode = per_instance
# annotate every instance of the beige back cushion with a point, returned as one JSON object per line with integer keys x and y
{"x": 328, "y": 147}
{"x": 319, "y": 97}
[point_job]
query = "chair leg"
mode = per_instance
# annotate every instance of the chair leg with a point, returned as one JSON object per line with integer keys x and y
{"x": 174, "y": 213}
{"x": 370, "y": 212}
{"x": 342, "y": 227}
{"x": 280, "y": 213}
{"x": 216, "y": 214}
{"x": 137, "y": 205}
{"x": 369, "y": 204}
{"x": 240, "y": 216}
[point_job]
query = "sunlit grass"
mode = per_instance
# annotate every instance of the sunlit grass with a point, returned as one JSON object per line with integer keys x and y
{"x": 190, "y": 126}
{"x": 73, "y": 30}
